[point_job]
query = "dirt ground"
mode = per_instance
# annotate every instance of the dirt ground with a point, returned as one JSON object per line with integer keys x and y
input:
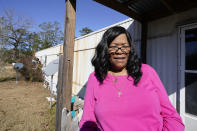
{"x": 24, "y": 107}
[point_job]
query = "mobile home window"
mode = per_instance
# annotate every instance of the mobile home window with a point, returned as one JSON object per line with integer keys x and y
{"x": 191, "y": 71}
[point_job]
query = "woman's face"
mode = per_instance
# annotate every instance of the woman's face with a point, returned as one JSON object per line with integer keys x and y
{"x": 119, "y": 52}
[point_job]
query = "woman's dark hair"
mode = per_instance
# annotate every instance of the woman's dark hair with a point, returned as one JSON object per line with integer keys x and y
{"x": 101, "y": 63}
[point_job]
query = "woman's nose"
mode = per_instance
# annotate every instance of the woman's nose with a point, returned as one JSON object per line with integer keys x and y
{"x": 119, "y": 51}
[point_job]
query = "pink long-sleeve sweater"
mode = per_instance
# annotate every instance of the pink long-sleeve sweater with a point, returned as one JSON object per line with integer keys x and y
{"x": 145, "y": 107}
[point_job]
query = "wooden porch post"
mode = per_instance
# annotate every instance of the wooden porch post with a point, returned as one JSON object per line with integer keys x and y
{"x": 68, "y": 52}
{"x": 66, "y": 66}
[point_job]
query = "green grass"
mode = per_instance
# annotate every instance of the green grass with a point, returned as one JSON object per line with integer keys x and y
{"x": 52, "y": 117}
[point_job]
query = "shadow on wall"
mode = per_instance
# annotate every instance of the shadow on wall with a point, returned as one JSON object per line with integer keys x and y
{"x": 165, "y": 75}
{"x": 81, "y": 93}
{"x": 135, "y": 31}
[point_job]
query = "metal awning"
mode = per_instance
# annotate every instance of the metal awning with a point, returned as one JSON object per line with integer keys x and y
{"x": 148, "y": 10}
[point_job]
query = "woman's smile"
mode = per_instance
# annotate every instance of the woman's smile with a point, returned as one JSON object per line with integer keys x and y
{"x": 119, "y": 58}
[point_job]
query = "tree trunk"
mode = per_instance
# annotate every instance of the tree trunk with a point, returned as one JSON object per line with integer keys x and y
{"x": 16, "y": 51}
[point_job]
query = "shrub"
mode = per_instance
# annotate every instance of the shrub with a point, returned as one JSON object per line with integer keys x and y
{"x": 32, "y": 70}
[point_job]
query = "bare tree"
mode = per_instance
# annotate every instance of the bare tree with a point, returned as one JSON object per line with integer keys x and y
{"x": 50, "y": 34}
{"x": 14, "y": 31}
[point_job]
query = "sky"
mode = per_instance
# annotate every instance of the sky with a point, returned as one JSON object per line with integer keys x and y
{"x": 88, "y": 13}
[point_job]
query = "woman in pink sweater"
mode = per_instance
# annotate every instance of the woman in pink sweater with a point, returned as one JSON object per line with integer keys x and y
{"x": 123, "y": 94}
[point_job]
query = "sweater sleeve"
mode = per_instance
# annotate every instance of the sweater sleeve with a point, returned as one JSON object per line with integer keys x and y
{"x": 88, "y": 121}
{"x": 171, "y": 119}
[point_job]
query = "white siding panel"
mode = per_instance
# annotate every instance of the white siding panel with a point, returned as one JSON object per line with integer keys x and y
{"x": 162, "y": 55}
{"x": 82, "y": 69}
{"x": 49, "y": 51}
{"x": 91, "y": 40}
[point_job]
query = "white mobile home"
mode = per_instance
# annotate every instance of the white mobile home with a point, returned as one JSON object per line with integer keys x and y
{"x": 50, "y": 60}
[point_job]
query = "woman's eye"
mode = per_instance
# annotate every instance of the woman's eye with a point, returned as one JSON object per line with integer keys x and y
{"x": 113, "y": 47}
{"x": 125, "y": 46}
